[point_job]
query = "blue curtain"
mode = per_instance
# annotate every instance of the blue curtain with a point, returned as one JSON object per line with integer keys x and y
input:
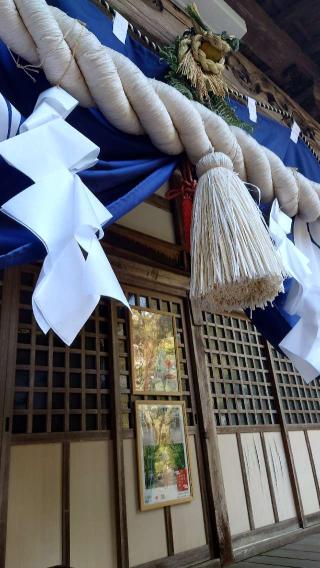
{"x": 130, "y": 168}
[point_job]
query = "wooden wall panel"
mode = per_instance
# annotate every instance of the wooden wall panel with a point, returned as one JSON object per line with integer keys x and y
{"x": 233, "y": 484}
{"x": 146, "y": 530}
{"x": 187, "y": 518}
{"x": 34, "y": 512}
{"x": 304, "y": 472}
{"x": 280, "y": 475}
{"x": 92, "y": 517}
{"x": 314, "y": 439}
{"x": 257, "y": 480}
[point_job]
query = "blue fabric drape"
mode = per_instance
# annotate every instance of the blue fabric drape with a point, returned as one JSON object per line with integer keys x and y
{"x": 130, "y": 168}
{"x": 276, "y": 137}
{"x": 274, "y": 322}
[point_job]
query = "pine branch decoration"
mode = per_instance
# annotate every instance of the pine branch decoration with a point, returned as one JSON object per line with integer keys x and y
{"x": 176, "y": 79}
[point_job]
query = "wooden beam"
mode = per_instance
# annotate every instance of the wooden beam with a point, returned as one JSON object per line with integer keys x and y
{"x": 8, "y": 341}
{"x": 220, "y": 541}
{"x": 313, "y": 466}
{"x": 298, "y": 14}
{"x": 66, "y": 504}
{"x": 161, "y": 27}
{"x": 138, "y": 274}
{"x": 286, "y": 441}
{"x": 245, "y": 481}
{"x": 271, "y": 43}
{"x": 269, "y": 477}
{"x": 119, "y": 476}
{"x": 169, "y": 530}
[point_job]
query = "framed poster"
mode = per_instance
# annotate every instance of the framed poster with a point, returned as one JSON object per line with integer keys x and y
{"x": 155, "y": 368}
{"x": 162, "y": 454}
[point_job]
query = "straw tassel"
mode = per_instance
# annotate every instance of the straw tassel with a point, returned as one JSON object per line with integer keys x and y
{"x": 234, "y": 264}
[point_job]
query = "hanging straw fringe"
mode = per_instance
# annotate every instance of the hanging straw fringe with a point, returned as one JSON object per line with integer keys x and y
{"x": 233, "y": 261}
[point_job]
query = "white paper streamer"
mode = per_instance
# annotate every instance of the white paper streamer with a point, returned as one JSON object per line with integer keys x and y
{"x": 302, "y": 262}
{"x": 302, "y": 343}
{"x": 295, "y": 131}
{"x": 295, "y": 262}
{"x": 120, "y": 27}
{"x": 63, "y": 213}
{"x": 252, "y": 107}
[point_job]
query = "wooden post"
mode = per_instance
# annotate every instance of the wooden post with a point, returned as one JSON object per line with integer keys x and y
{"x": 66, "y": 504}
{"x": 269, "y": 476}
{"x": 169, "y": 531}
{"x": 221, "y": 541}
{"x": 116, "y": 428}
{"x": 286, "y": 441}
{"x": 314, "y": 471}
{"x": 8, "y": 334}
{"x": 245, "y": 481}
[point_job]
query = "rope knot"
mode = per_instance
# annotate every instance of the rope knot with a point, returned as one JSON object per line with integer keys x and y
{"x": 211, "y": 161}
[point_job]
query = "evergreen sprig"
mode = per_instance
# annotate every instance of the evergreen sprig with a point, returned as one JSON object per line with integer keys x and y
{"x": 217, "y": 104}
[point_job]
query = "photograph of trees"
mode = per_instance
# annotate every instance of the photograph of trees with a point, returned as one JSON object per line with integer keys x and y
{"x": 155, "y": 366}
{"x": 163, "y": 453}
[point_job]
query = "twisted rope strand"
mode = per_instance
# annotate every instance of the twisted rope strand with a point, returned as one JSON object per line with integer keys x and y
{"x": 73, "y": 57}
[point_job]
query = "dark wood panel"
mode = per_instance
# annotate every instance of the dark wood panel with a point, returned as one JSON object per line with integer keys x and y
{"x": 161, "y": 26}
{"x": 285, "y": 60}
{"x": 134, "y": 245}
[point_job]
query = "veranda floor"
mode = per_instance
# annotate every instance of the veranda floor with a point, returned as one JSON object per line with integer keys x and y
{"x": 304, "y": 553}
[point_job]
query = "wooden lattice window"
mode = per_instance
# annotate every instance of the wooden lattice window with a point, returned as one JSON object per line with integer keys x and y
{"x": 60, "y": 389}
{"x": 300, "y": 401}
{"x": 159, "y": 303}
{"x": 239, "y": 372}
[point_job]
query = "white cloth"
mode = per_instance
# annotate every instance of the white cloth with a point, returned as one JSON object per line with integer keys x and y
{"x": 10, "y": 119}
{"x": 295, "y": 262}
{"x": 302, "y": 343}
{"x": 302, "y": 262}
{"x": 63, "y": 213}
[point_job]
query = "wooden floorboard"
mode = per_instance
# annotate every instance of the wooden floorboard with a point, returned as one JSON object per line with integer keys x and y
{"x": 304, "y": 546}
{"x": 279, "y": 562}
{"x": 293, "y": 553}
{"x": 304, "y": 553}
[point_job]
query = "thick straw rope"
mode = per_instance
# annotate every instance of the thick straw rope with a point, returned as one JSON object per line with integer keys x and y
{"x": 73, "y": 57}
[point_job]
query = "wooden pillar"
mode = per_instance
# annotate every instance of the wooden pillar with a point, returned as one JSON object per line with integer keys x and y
{"x": 116, "y": 428}
{"x": 220, "y": 542}
{"x": 286, "y": 440}
{"x": 8, "y": 334}
{"x": 66, "y": 504}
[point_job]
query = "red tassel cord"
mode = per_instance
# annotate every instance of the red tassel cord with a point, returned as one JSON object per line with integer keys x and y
{"x": 184, "y": 186}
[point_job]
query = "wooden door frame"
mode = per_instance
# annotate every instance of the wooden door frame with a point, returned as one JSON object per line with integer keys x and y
{"x": 8, "y": 333}
{"x": 166, "y": 283}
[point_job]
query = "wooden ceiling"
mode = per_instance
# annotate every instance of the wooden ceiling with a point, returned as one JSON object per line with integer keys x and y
{"x": 283, "y": 40}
